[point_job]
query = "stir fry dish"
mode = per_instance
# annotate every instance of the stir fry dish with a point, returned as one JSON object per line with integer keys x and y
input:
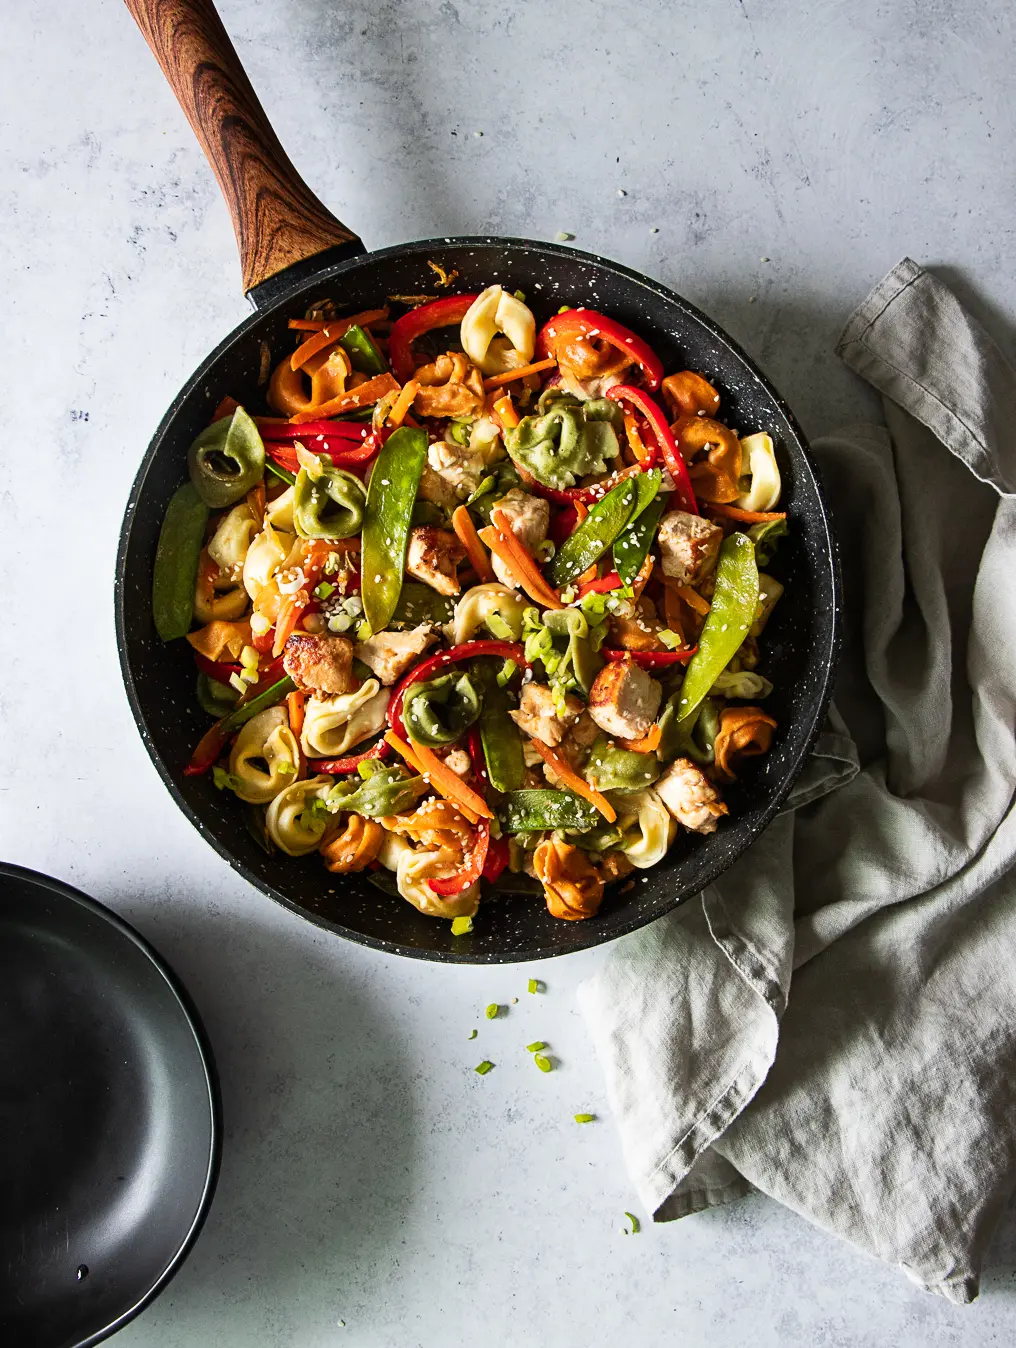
{"x": 474, "y": 596}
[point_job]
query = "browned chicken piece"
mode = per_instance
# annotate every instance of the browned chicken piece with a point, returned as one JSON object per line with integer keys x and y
{"x": 451, "y": 386}
{"x": 624, "y": 700}
{"x": 690, "y": 796}
{"x": 634, "y": 627}
{"x": 538, "y": 716}
{"x": 451, "y": 474}
{"x": 319, "y": 664}
{"x": 689, "y": 546}
{"x": 432, "y": 557}
{"x": 389, "y": 654}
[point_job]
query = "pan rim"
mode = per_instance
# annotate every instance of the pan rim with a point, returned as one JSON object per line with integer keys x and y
{"x": 831, "y": 561}
{"x": 25, "y": 874}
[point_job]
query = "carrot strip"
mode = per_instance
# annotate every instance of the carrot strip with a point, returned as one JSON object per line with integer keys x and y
{"x": 571, "y": 779}
{"x": 647, "y": 744}
{"x": 634, "y": 439}
{"x": 693, "y": 599}
{"x": 465, "y": 532}
{"x": 746, "y": 516}
{"x": 642, "y": 579}
{"x": 403, "y": 403}
{"x": 295, "y": 706}
{"x": 361, "y": 396}
{"x": 361, "y": 320}
{"x": 293, "y": 606}
{"x": 442, "y": 779}
{"x": 581, "y": 511}
{"x": 225, "y": 409}
{"x": 314, "y": 344}
{"x": 503, "y": 543}
{"x": 504, "y": 411}
{"x": 537, "y": 367}
{"x": 672, "y": 612}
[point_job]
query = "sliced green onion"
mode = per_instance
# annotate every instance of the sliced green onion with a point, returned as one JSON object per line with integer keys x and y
{"x": 462, "y": 926}
{"x": 635, "y": 1225}
{"x": 483, "y": 1068}
{"x": 225, "y": 781}
{"x": 535, "y": 1048}
{"x": 585, "y": 1118}
{"x": 670, "y": 639}
{"x": 543, "y": 1063}
{"x": 473, "y": 1034}
{"x": 323, "y": 590}
{"x": 364, "y": 632}
{"x": 285, "y": 767}
{"x": 491, "y": 1011}
{"x": 520, "y": 295}
{"x": 535, "y": 985}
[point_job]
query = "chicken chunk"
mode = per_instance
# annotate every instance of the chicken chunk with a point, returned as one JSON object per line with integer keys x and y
{"x": 634, "y": 625}
{"x": 452, "y": 474}
{"x": 690, "y": 796}
{"x": 538, "y": 716}
{"x": 529, "y": 517}
{"x": 432, "y": 557}
{"x": 389, "y": 654}
{"x": 624, "y": 700}
{"x": 689, "y": 546}
{"x": 319, "y": 664}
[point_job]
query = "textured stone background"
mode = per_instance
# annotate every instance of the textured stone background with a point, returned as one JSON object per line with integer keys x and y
{"x": 787, "y": 155}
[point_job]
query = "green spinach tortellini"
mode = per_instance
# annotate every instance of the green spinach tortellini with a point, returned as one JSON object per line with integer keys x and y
{"x": 611, "y": 768}
{"x": 328, "y": 502}
{"x": 384, "y": 791}
{"x": 565, "y": 439}
{"x": 227, "y": 460}
{"x": 566, "y": 645}
{"x": 438, "y": 711}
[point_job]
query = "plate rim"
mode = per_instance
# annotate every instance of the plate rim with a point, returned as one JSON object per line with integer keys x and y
{"x": 12, "y": 871}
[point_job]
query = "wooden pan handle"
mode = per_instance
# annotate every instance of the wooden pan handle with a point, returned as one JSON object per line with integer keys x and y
{"x": 277, "y": 218}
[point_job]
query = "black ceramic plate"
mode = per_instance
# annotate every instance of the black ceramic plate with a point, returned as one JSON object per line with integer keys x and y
{"x": 109, "y": 1118}
{"x": 800, "y": 643}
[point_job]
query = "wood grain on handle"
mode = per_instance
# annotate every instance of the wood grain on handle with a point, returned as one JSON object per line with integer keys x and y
{"x": 277, "y": 218}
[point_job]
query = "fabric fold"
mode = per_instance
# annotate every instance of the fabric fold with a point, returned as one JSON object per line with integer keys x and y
{"x": 834, "y": 1021}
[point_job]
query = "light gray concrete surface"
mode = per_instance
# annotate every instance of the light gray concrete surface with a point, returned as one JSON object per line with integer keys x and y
{"x": 775, "y": 160}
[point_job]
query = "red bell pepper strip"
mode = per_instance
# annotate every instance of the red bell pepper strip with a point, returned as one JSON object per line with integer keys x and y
{"x": 672, "y": 457}
{"x": 497, "y": 859}
{"x": 220, "y": 670}
{"x": 477, "y": 758}
{"x": 341, "y": 453}
{"x": 405, "y": 330}
{"x": 650, "y": 659}
{"x": 588, "y": 323}
{"x": 272, "y": 429}
{"x": 507, "y": 650}
{"x": 611, "y": 581}
{"x": 569, "y": 495}
{"x": 210, "y": 746}
{"x": 283, "y": 455}
{"x": 455, "y": 884}
{"x": 340, "y": 766}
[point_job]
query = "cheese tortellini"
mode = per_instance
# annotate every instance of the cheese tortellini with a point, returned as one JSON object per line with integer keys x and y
{"x": 493, "y": 606}
{"x": 266, "y": 555}
{"x": 412, "y": 873}
{"x": 292, "y": 822}
{"x": 279, "y": 513}
{"x": 647, "y": 825}
{"x": 265, "y": 758}
{"x": 231, "y": 540}
{"x": 498, "y": 332}
{"x": 758, "y": 454}
{"x": 333, "y": 725}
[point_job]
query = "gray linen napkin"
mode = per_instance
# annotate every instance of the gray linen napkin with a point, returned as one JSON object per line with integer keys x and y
{"x": 834, "y": 1022}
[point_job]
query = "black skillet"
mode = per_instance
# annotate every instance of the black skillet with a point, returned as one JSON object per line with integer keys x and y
{"x": 109, "y": 1118}
{"x": 293, "y": 253}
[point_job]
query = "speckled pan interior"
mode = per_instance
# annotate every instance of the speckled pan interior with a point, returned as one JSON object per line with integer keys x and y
{"x": 799, "y": 650}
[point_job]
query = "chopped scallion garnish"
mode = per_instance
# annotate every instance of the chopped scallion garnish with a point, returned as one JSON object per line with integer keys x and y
{"x": 492, "y": 1011}
{"x": 585, "y": 1118}
{"x": 462, "y": 926}
{"x": 483, "y": 1068}
{"x": 473, "y": 1034}
{"x": 543, "y": 1062}
{"x": 323, "y": 590}
{"x": 535, "y": 1048}
{"x": 635, "y": 1225}
{"x": 535, "y": 985}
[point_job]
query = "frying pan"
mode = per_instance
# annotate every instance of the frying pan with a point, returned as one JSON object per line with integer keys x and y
{"x": 293, "y": 253}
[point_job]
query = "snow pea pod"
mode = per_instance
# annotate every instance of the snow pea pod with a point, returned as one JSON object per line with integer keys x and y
{"x": 499, "y": 735}
{"x": 363, "y": 354}
{"x": 532, "y": 810}
{"x": 631, "y": 547}
{"x": 595, "y": 534}
{"x": 386, "y": 521}
{"x": 732, "y": 612}
{"x": 181, "y": 539}
{"x": 226, "y": 460}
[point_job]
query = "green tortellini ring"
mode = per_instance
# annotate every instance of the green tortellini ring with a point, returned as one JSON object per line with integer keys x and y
{"x": 611, "y": 768}
{"x": 387, "y": 791}
{"x": 438, "y": 711}
{"x": 566, "y": 439}
{"x": 328, "y": 502}
{"x": 580, "y": 663}
{"x": 227, "y": 460}
{"x": 692, "y": 738}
